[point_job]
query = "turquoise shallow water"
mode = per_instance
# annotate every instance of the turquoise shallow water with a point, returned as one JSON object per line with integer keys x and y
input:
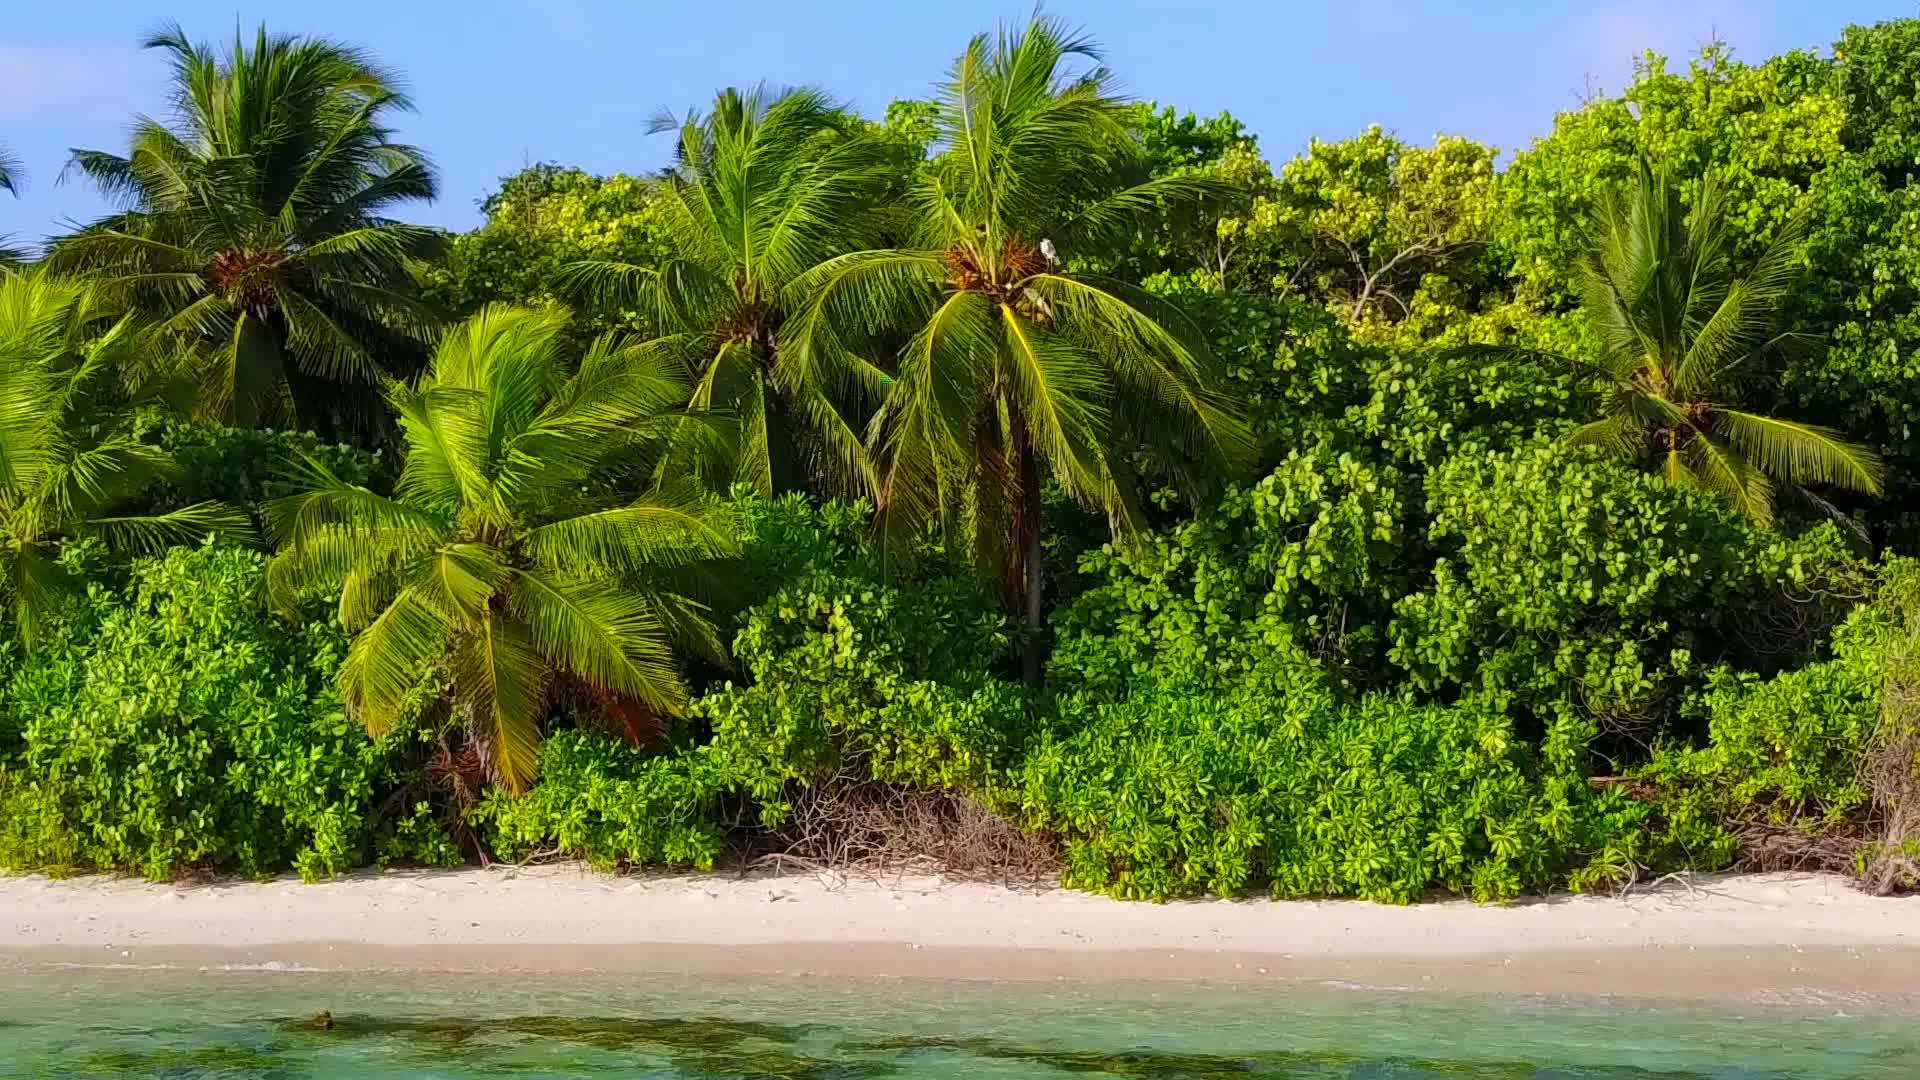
{"x": 230, "y": 1025}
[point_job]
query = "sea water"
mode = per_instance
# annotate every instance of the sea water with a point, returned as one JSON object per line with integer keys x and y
{"x": 85, "y": 1023}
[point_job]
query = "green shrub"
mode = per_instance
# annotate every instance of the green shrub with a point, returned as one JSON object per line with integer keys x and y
{"x": 1791, "y": 750}
{"x": 177, "y": 727}
{"x": 1275, "y": 783}
{"x": 1427, "y": 407}
{"x": 1313, "y": 553}
{"x": 245, "y": 467}
{"x": 418, "y": 839}
{"x": 608, "y": 803}
{"x": 789, "y": 537}
{"x": 855, "y": 677}
{"x": 1571, "y": 580}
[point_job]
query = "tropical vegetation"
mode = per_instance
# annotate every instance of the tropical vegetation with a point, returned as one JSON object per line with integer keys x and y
{"x": 254, "y": 243}
{"x": 1674, "y": 336}
{"x": 70, "y": 463}
{"x": 1025, "y": 481}
{"x": 763, "y": 189}
{"x": 500, "y": 554}
{"x": 1018, "y": 372}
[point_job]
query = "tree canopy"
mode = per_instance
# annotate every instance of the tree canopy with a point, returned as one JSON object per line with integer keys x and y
{"x": 497, "y": 556}
{"x": 1024, "y": 474}
{"x": 1677, "y": 333}
{"x": 255, "y": 244}
{"x": 764, "y": 188}
{"x": 1018, "y": 370}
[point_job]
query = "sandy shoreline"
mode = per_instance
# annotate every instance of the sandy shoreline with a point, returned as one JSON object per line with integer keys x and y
{"x": 1750, "y": 936}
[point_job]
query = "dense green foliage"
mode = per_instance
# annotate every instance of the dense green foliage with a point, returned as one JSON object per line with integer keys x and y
{"x": 497, "y": 557}
{"x": 1384, "y": 522}
{"x": 173, "y": 726}
{"x": 1785, "y": 750}
{"x": 1275, "y": 781}
{"x": 69, "y": 461}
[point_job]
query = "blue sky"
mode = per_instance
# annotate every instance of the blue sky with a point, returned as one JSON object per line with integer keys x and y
{"x": 501, "y": 83}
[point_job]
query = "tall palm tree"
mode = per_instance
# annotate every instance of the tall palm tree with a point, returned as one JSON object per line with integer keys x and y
{"x": 498, "y": 562}
{"x": 1018, "y": 370}
{"x": 69, "y": 459}
{"x": 1678, "y": 336}
{"x": 763, "y": 189}
{"x": 255, "y": 235}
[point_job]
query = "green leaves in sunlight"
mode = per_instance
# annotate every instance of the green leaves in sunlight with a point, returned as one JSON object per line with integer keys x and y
{"x": 1025, "y": 481}
{"x": 496, "y": 561}
{"x": 252, "y": 238}
{"x": 71, "y": 467}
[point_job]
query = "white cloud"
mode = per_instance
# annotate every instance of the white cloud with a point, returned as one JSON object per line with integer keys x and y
{"x": 39, "y": 81}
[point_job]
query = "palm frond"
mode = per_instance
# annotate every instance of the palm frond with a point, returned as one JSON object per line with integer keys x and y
{"x": 12, "y": 175}
{"x": 460, "y": 579}
{"x": 610, "y": 638}
{"x": 326, "y": 501}
{"x": 35, "y": 587}
{"x": 1060, "y": 394}
{"x": 1622, "y": 436}
{"x": 1803, "y": 453}
{"x": 666, "y": 528}
{"x": 1116, "y": 217}
{"x": 843, "y": 306}
{"x": 1719, "y": 468}
{"x": 500, "y": 683}
{"x": 1169, "y": 379}
{"x": 150, "y": 534}
{"x": 925, "y": 432}
{"x": 387, "y": 660}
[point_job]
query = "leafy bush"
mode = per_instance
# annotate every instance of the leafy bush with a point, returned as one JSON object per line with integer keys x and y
{"x": 608, "y": 803}
{"x": 1275, "y": 783}
{"x": 1425, "y": 408}
{"x": 1313, "y": 555}
{"x": 1792, "y": 751}
{"x": 851, "y": 676}
{"x": 245, "y": 467}
{"x": 788, "y": 537}
{"x": 1575, "y": 580}
{"x": 176, "y": 727}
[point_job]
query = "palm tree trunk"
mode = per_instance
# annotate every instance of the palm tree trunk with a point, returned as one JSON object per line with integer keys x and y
{"x": 1028, "y": 538}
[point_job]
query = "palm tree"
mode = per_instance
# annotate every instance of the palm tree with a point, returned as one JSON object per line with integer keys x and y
{"x": 1017, "y": 370}
{"x": 762, "y": 190}
{"x": 496, "y": 562}
{"x": 10, "y": 178}
{"x": 1678, "y": 333}
{"x": 255, "y": 236}
{"x": 69, "y": 460}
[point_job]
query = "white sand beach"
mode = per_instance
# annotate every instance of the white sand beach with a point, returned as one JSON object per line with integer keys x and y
{"x": 1711, "y": 937}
